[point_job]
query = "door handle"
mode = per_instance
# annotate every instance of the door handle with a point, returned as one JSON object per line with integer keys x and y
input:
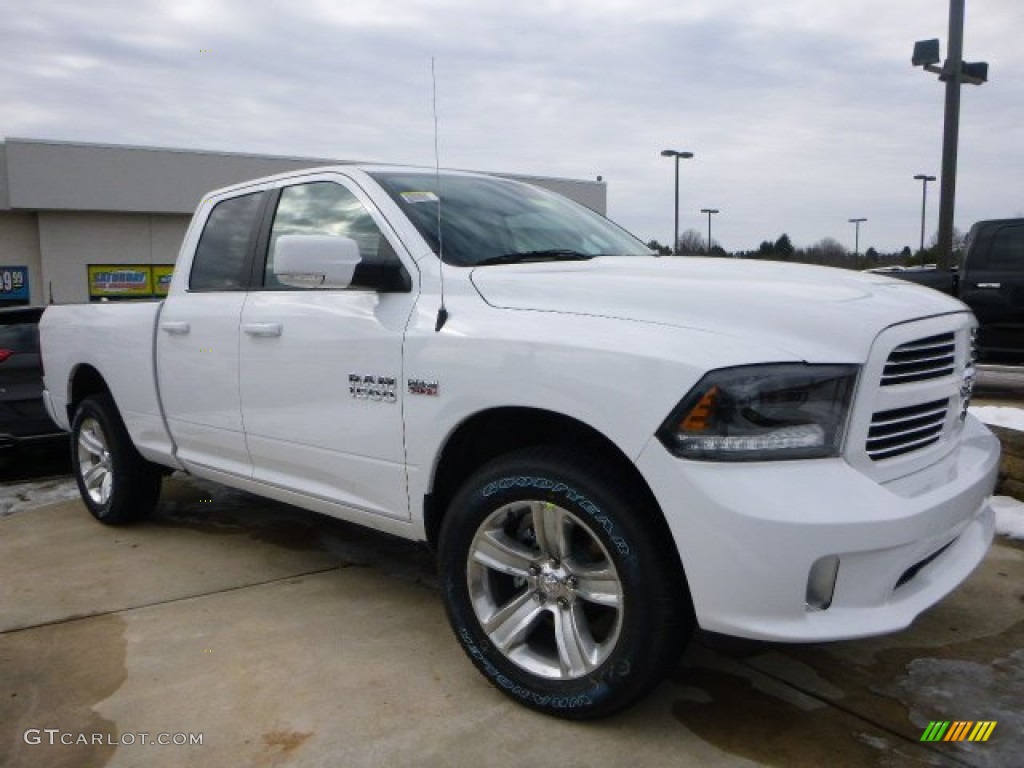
{"x": 175, "y": 327}
{"x": 989, "y": 285}
{"x": 262, "y": 330}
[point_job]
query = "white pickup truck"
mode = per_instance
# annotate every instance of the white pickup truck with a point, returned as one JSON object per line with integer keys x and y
{"x": 608, "y": 449}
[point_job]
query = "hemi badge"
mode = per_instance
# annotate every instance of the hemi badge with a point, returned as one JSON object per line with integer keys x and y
{"x": 423, "y": 387}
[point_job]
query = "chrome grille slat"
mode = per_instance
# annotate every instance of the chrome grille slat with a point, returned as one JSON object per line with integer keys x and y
{"x": 880, "y": 455}
{"x": 935, "y": 342}
{"x": 906, "y": 378}
{"x": 880, "y": 422}
{"x": 930, "y": 358}
{"x": 904, "y": 430}
{"x": 906, "y": 435}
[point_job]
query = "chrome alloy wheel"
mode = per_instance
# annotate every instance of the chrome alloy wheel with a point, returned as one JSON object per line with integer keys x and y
{"x": 94, "y": 462}
{"x": 545, "y": 590}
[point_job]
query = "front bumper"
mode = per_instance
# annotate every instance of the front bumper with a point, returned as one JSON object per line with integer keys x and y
{"x": 748, "y": 535}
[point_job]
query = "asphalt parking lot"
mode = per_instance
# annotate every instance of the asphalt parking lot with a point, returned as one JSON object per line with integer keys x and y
{"x": 283, "y": 638}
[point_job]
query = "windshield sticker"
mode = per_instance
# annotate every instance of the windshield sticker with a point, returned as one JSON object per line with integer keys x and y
{"x": 419, "y": 197}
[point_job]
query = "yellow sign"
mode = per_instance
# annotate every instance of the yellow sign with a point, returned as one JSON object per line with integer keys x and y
{"x": 162, "y": 278}
{"x": 129, "y": 281}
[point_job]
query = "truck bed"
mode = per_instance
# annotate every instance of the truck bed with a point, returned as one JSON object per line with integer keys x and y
{"x": 118, "y": 339}
{"x": 939, "y": 279}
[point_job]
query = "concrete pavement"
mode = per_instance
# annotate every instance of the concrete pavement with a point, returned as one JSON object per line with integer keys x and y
{"x": 284, "y": 638}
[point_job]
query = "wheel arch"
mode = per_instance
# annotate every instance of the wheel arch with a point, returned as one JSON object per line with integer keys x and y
{"x": 85, "y": 380}
{"x": 488, "y": 434}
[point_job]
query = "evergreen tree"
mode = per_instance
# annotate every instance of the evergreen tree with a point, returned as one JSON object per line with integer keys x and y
{"x": 784, "y": 248}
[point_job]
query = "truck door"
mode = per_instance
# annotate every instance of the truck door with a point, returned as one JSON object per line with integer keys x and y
{"x": 993, "y": 287}
{"x": 321, "y": 370}
{"x": 197, "y": 342}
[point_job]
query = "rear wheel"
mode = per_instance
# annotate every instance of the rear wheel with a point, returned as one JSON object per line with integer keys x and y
{"x": 561, "y": 586}
{"x": 116, "y": 483}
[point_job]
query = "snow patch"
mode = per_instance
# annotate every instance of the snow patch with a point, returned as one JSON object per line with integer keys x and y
{"x": 952, "y": 689}
{"x": 22, "y": 496}
{"x": 1009, "y": 516}
{"x": 877, "y": 742}
{"x": 1000, "y": 416}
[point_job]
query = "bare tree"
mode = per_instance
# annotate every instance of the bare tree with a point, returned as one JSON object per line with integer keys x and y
{"x": 691, "y": 243}
{"x": 828, "y": 251}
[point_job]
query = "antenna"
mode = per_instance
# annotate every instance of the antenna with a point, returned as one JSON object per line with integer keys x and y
{"x": 442, "y": 311}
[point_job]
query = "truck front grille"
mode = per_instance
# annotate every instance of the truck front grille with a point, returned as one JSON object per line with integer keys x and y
{"x": 900, "y": 431}
{"x": 930, "y": 358}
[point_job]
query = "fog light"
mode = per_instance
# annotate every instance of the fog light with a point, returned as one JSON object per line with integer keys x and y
{"x": 821, "y": 583}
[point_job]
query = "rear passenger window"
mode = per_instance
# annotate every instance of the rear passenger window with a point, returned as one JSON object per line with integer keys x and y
{"x": 1007, "y": 250}
{"x": 220, "y": 262}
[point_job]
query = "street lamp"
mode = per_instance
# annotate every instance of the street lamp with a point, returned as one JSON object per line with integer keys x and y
{"x": 685, "y": 156}
{"x": 924, "y": 179}
{"x": 856, "y": 247}
{"x": 709, "y": 212}
{"x": 953, "y": 72}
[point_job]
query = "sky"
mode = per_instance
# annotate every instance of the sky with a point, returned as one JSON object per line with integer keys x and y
{"x": 801, "y": 114}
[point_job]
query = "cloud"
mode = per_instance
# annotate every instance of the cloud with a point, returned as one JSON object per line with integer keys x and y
{"x": 801, "y": 114}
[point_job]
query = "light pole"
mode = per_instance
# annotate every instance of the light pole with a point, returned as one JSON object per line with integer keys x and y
{"x": 685, "y": 156}
{"x": 953, "y": 72}
{"x": 924, "y": 179}
{"x": 710, "y": 212}
{"x": 856, "y": 242}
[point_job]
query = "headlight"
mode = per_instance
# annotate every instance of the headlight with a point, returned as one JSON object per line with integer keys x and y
{"x": 763, "y": 413}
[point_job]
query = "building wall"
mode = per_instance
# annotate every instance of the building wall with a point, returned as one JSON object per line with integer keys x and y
{"x": 19, "y": 247}
{"x": 66, "y": 205}
{"x": 71, "y": 241}
{"x": 65, "y": 176}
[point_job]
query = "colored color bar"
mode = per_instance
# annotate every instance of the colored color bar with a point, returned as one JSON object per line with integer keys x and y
{"x": 935, "y": 730}
{"x": 959, "y": 730}
{"x": 982, "y": 730}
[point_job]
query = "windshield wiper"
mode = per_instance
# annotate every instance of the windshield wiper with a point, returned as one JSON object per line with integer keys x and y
{"x": 552, "y": 254}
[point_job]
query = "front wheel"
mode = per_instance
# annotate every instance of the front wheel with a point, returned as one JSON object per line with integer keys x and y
{"x": 561, "y": 586}
{"x": 117, "y": 484}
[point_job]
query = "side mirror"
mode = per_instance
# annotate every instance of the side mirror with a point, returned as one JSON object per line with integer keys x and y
{"x": 315, "y": 261}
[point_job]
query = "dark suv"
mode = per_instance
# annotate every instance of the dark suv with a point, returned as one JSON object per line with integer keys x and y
{"x": 23, "y": 417}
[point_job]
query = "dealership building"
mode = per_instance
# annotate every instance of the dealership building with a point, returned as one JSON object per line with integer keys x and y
{"x": 88, "y": 222}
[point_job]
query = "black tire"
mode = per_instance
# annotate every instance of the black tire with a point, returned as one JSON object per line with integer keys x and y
{"x": 562, "y": 640}
{"x": 117, "y": 485}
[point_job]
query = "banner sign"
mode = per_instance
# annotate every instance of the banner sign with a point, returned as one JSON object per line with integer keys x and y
{"x": 128, "y": 281}
{"x": 162, "y": 278}
{"x": 14, "y": 284}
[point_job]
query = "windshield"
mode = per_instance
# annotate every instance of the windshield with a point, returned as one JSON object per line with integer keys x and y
{"x": 486, "y": 220}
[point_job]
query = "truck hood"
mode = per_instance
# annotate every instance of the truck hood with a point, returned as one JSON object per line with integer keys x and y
{"x": 815, "y": 314}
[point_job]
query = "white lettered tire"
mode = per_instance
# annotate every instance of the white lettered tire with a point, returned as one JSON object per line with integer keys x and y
{"x": 561, "y": 583}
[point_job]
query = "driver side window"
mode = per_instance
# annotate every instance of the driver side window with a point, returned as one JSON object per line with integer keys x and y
{"x": 326, "y": 208}
{"x": 1007, "y": 252}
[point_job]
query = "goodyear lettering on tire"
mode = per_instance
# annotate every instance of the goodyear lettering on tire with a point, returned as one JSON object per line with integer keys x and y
{"x": 545, "y": 484}
{"x": 542, "y": 700}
